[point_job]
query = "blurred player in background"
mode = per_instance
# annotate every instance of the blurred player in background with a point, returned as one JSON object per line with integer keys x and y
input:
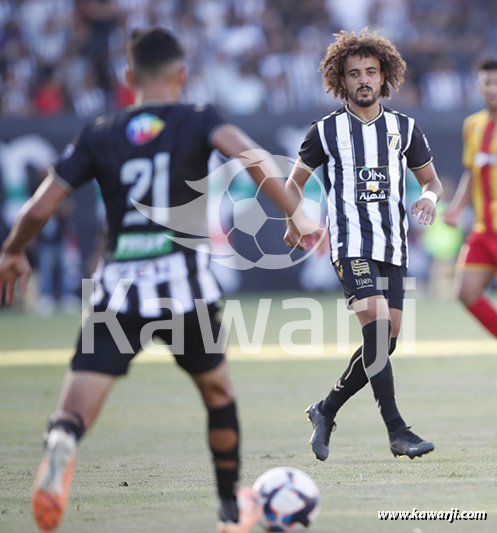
{"x": 366, "y": 149}
{"x": 146, "y": 153}
{"x": 477, "y": 261}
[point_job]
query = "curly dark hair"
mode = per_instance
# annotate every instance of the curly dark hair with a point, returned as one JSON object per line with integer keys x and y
{"x": 364, "y": 44}
{"x": 490, "y": 63}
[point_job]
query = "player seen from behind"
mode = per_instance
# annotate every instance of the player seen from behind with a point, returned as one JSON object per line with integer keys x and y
{"x": 144, "y": 154}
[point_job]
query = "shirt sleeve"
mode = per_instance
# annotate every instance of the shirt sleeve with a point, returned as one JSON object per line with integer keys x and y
{"x": 311, "y": 152}
{"x": 467, "y": 153}
{"x": 211, "y": 120}
{"x": 75, "y": 166}
{"x": 418, "y": 154}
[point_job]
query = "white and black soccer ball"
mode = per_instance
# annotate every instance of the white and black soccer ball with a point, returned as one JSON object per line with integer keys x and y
{"x": 262, "y": 234}
{"x": 290, "y": 498}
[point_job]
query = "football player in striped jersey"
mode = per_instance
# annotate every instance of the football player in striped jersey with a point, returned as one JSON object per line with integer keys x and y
{"x": 366, "y": 149}
{"x": 147, "y": 154}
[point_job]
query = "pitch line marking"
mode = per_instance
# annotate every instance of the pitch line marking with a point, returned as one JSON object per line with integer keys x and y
{"x": 270, "y": 352}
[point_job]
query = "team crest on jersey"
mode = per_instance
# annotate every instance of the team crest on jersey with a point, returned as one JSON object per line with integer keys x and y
{"x": 372, "y": 184}
{"x": 144, "y": 128}
{"x": 393, "y": 141}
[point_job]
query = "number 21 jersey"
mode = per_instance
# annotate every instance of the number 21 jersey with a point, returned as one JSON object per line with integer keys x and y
{"x": 143, "y": 156}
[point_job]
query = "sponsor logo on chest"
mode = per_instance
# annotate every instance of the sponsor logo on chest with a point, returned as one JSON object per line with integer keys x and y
{"x": 372, "y": 184}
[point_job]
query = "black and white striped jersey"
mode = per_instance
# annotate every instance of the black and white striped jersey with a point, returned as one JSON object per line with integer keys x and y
{"x": 365, "y": 166}
{"x": 178, "y": 277}
{"x": 147, "y": 154}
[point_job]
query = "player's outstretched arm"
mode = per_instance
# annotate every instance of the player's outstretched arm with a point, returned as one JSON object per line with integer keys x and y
{"x": 294, "y": 236}
{"x": 426, "y": 206}
{"x": 33, "y": 216}
{"x": 231, "y": 141}
{"x": 461, "y": 199}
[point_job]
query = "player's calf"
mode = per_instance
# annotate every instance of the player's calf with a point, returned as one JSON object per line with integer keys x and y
{"x": 53, "y": 481}
{"x": 224, "y": 445}
{"x": 238, "y": 512}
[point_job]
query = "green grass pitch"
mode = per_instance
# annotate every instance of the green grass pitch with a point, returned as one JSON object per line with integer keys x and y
{"x": 144, "y": 467}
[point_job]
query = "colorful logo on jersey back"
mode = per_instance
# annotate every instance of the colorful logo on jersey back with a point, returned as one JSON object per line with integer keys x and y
{"x": 144, "y": 128}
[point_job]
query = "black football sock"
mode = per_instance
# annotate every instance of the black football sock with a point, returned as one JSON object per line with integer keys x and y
{"x": 379, "y": 370}
{"x": 75, "y": 426}
{"x": 353, "y": 380}
{"x": 224, "y": 435}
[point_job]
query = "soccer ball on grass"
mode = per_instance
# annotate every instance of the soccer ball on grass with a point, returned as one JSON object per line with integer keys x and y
{"x": 290, "y": 498}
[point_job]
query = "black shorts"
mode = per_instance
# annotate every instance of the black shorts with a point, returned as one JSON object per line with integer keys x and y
{"x": 107, "y": 357}
{"x": 362, "y": 278}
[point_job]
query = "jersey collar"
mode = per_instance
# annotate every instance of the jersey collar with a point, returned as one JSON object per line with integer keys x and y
{"x": 379, "y": 115}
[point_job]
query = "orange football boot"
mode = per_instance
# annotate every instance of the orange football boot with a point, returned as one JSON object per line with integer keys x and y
{"x": 249, "y": 511}
{"x": 53, "y": 481}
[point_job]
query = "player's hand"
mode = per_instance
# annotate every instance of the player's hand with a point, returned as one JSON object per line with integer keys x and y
{"x": 293, "y": 238}
{"x": 13, "y": 267}
{"x": 426, "y": 210}
{"x": 451, "y": 216}
{"x": 319, "y": 241}
{"x": 318, "y": 238}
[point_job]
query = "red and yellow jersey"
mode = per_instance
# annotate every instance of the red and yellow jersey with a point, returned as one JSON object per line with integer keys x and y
{"x": 480, "y": 157}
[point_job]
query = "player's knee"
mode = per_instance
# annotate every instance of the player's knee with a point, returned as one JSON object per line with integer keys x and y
{"x": 372, "y": 309}
{"x": 467, "y": 296}
{"x": 395, "y": 329}
{"x": 70, "y": 421}
{"x": 217, "y": 393}
{"x": 377, "y": 329}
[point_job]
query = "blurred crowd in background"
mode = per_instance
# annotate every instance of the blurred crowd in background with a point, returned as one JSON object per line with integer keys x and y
{"x": 63, "y": 56}
{"x": 250, "y": 57}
